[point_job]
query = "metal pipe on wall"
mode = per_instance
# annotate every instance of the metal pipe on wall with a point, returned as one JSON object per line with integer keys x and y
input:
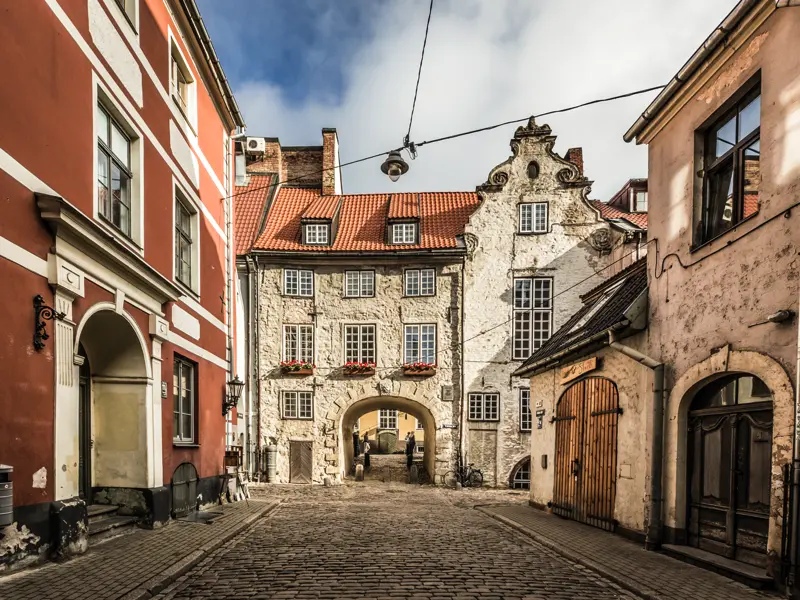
{"x": 654, "y": 525}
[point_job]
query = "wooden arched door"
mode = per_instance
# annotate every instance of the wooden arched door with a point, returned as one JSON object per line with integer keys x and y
{"x": 586, "y": 452}
{"x": 729, "y": 468}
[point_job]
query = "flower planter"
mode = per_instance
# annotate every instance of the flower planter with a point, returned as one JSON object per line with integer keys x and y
{"x": 298, "y": 372}
{"x": 358, "y": 372}
{"x": 411, "y": 372}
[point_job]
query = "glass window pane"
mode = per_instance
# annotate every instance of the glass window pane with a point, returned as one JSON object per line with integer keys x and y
{"x": 752, "y": 179}
{"x": 750, "y": 117}
{"x": 540, "y": 217}
{"x": 724, "y": 137}
{"x": 367, "y": 283}
{"x": 525, "y": 218}
{"x": 412, "y": 344}
{"x": 102, "y": 125}
{"x": 290, "y": 282}
{"x": 412, "y": 282}
{"x": 351, "y": 287}
{"x": 306, "y": 283}
{"x": 522, "y": 293}
{"x": 720, "y": 214}
{"x": 522, "y": 335}
{"x": 427, "y": 285}
{"x": 119, "y": 145}
{"x": 428, "y": 344}
{"x": 542, "y": 293}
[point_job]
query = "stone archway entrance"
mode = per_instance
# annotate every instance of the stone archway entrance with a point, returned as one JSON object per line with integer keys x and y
{"x": 116, "y": 384}
{"x": 405, "y": 405}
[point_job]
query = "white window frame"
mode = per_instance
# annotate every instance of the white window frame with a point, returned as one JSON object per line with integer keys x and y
{"x": 359, "y": 284}
{"x": 102, "y": 98}
{"x": 413, "y": 352}
{"x": 301, "y": 347}
{"x": 297, "y": 405}
{"x": 178, "y": 435}
{"x": 127, "y": 11}
{"x": 387, "y": 418}
{"x": 180, "y": 196}
{"x": 635, "y": 203}
{"x": 417, "y": 424}
{"x": 524, "y": 484}
{"x": 317, "y": 234}
{"x": 525, "y": 413}
{"x": 404, "y": 234}
{"x": 360, "y": 353}
{"x": 178, "y": 60}
{"x": 484, "y": 406}
{"x": 532, "y": 322}
{"x": 303, "y": 282}
{"x": 534, "y": 217}
{"x": 415, "y": 284}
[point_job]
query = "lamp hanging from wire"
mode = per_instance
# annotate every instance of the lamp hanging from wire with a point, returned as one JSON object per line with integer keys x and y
{"x": 394, "y": 166}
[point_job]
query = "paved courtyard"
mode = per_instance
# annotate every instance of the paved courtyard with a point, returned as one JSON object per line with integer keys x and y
{"x": 387, "y": 541}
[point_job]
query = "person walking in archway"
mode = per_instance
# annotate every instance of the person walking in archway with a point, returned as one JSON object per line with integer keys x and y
{"x": 356, "y": 448}
{"x": 411, "y": 445}
{"x": 366, "y": 449}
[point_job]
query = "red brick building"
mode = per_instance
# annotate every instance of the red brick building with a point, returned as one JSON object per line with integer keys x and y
{"x": 115, "y": 176}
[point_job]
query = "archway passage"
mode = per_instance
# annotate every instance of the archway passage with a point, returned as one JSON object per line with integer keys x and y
{"x": 115, "y": 385}
{"x": 585, "y": 482}
{"x": 729, "y": 468}
{"x": 388, "y": 406}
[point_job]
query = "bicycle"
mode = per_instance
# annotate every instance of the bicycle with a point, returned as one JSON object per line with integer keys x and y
{"x": 467, "y": 476}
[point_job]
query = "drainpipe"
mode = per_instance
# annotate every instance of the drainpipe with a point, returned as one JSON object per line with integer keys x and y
{"x": 653, "y": 536}
{"x": 462, "y": 421}
{"x": 793, "y": 532}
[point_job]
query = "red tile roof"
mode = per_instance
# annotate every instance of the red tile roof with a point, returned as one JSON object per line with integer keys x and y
{"x": 404, "y": 206}
{"x": 612, "y": 212}
{"x": 362, "y": 221}
{"x": 322, "y": 208}
{"x": 248, "y": 211}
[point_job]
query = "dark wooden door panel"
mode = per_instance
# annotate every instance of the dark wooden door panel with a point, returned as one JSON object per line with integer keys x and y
{"x": 300, "y": 462}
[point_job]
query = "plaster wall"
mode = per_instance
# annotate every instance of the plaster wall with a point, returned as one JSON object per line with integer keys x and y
{"x": 634, "y": 430}
{"x": 711, "y": 297}
{"x": 575, "y": 246}
{"x": 335, "y": 393}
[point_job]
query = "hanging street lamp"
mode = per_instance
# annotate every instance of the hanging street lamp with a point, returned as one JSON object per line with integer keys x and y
{"x": 394, "y": 165}
{"x": 235, "y": 387}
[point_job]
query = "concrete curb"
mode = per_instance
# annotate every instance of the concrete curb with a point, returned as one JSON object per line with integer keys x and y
{"x": 601, "y": 570}
{"x": 157, "y": 584}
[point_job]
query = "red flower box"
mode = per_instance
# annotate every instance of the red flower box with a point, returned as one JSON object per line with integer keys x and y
{"x": 420, "y": 369}
{"x": 297, "y": 367}
{"x": 356, "y": 369}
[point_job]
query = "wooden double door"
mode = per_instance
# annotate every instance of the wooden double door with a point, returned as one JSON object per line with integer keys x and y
{"x": 586, "y": 453}
{"x": 730, "y": 450}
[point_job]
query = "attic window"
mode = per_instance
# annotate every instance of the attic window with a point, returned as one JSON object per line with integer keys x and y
{"x": 317, "y": 234}
{"x": 404, "y": 233}
{"x": 639, "y": 201}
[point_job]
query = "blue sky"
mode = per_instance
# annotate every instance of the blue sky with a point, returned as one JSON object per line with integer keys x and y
{"x": 297, "y": 66}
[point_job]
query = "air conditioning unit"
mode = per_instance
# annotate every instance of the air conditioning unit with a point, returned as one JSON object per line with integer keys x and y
{"x": 256, "y": 144}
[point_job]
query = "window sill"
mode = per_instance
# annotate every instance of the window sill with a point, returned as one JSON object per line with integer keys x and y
{"x": 483, "y": 420}
{"x": 187, "y": 445}
{"x": 187, "y": 289}
{"x": 119, "y": 236}
{"x": 716, "y": 238}
{"x": 419, "y": 296}
{"x": 356, "y": 297}
{"x": 526, "y": 233}
{"x": 298, "y": 296}
{"x": 309, "y": 419}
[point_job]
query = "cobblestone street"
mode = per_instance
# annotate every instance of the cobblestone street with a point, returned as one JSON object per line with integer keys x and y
{"x": 387, "y": 541}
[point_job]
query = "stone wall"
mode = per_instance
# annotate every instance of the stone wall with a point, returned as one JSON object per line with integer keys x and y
{"x": 338, "y": 399}
{"x": 576, "y": 245}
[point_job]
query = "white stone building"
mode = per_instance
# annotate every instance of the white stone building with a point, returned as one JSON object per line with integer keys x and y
{"x": 470, "y": 282}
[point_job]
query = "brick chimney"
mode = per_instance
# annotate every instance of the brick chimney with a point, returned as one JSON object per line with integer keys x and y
{"x": 575, "y": 156}
{"x": 331, "y": 176}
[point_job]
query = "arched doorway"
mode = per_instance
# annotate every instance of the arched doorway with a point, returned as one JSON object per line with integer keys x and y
{"x": 349, "y": 422}
{"x": 584, "y": 488}
{"x": 729, "y": 468}
{"x": 115, "y": 383}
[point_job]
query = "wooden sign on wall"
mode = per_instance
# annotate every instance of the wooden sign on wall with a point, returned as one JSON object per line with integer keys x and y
{"x": 574, "y": 371}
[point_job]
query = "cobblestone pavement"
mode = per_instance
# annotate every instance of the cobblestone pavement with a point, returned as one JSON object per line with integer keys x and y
{"x": 134, "y": 564}
{"x": 386, "y": 541}
{"x": 650, "y": 573}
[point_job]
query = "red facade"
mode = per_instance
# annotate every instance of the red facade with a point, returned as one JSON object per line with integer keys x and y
{"x": 94, "y": 231}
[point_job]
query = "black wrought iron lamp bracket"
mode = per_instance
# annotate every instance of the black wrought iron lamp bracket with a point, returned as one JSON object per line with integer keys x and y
{"x": 42, "y": 314}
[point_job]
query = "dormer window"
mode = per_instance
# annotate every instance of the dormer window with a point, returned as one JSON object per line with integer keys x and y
{"x": 404, "y": 233}
{"x": 317, "y": 234}
{"x": 639, "y": 201}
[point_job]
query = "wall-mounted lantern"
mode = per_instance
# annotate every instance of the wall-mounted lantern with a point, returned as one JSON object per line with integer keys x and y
{"x": 43, "y": 313}
{"x": 235, "y": 387}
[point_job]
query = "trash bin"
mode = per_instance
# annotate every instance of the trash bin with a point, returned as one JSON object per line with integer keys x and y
{"x": 272, "y": 455}
{"x": 6, "y": 495}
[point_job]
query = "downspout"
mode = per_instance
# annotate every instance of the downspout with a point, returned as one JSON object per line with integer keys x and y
{"x": 255, "y": 357}
{"x": 462, "y": 412}
{"x": 654, "y": 525}
{"x": 793, "y": 532}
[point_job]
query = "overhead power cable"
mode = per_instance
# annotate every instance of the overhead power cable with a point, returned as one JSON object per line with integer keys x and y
{"x": 407, "y": 140}
{"x": 449, "y": 137}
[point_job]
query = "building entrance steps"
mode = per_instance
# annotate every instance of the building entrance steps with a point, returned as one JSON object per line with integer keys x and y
{"x": 652, "y": 575}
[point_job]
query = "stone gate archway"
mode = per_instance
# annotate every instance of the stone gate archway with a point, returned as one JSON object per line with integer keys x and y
{"x": 440, "y": 443}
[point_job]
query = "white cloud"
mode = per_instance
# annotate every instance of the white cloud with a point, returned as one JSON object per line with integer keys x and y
{"x": 489, "y": 61}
